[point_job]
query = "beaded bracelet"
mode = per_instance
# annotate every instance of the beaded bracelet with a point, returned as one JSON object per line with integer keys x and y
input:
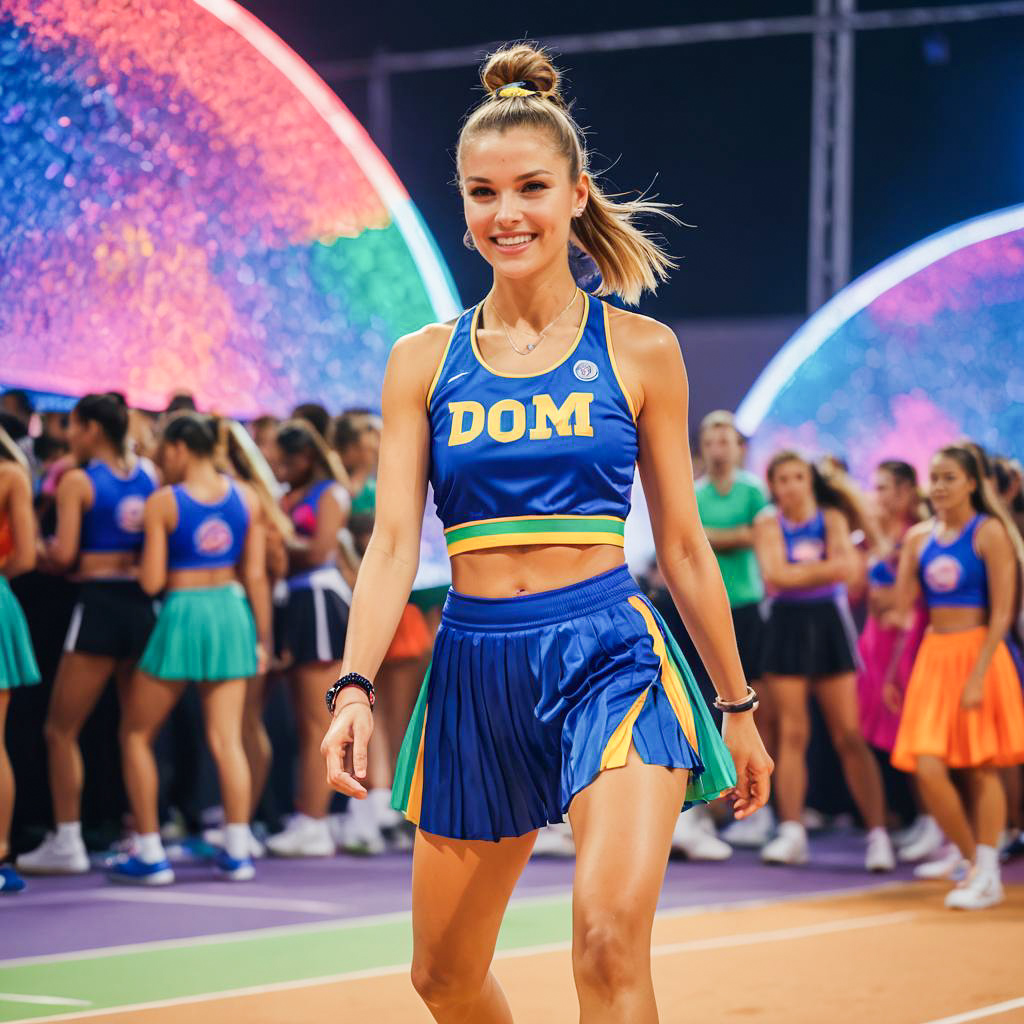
{"x": 749, "y": 702}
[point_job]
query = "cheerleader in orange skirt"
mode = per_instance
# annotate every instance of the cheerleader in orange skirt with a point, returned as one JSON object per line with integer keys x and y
{"x": 963, "y": 707}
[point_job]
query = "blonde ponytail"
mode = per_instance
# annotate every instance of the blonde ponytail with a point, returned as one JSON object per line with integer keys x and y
{"x": 523, "y": 92}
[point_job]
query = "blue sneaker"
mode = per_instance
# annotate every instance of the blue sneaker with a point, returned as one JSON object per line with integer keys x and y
{"x": 132, "y": 871}
{"x": 235, "y": 870}
{"x": 10, "y": 880}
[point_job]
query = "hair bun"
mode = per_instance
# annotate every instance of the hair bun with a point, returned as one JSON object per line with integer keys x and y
{"x": 521, "y": 63}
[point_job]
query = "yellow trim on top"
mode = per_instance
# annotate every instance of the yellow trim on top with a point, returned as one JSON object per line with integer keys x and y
{"x": 617, "y": 748}
{"x": 615, "y": 365}
{"x": 540, "y": 373}
{"x": 506, "y": 540}
{"x": 414, "y": 805}
{"x": 674, "y": 689}
{"x": 440, "y": 365}
{"x": 519, "y": 519}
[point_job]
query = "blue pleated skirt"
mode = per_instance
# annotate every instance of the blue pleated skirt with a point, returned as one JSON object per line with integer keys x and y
{"x": 528, "y": 699}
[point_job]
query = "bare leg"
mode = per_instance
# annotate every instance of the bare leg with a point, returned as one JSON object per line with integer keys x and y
{"x": 1014, "y": 805}
{"x": 223, "y": 705}
{"x": 258, "y": 751}
{"x": 837, "y": 697}
{"x": 80, "y": 682}
{"x": 149, "y": 702}
{"x": 460, "y": 889}
{"x": 309, "y": 683}
{"x": 794, "y": 730}
{"x": 944, "y": 804}
{"x": 767, "y": 715}
{"x": 622, "y": 847}
{"x": 989, "y": 800}
{"x": 6, "y": 781}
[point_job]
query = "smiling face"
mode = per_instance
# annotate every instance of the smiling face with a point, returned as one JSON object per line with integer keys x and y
{"x": 792, "y": 487}
{"x": 519, "y": 199}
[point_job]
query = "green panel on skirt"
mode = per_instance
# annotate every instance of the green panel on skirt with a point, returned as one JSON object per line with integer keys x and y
{"x": 17, "y": 658}
{"x": 203, "y": 635}
{"x": 429, "y": 597}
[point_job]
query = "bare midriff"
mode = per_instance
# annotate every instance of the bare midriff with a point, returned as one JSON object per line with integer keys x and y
{"x": 191, "y": 579}
{"x": 530, "y": 569}
{"x": 957, "y": 620}
{"x": 107, "y": 565}
{"x": 881, "y": 600}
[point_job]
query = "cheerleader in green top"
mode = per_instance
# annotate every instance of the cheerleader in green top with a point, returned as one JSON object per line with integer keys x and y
{"x": 17, "y": 659}
{"x": 203, "y": 533}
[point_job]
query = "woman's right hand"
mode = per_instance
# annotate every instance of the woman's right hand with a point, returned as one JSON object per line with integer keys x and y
{"x": 347, "y": 739}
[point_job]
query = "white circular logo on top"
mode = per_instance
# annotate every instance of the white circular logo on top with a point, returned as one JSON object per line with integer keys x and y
{"x": 213, "y": 536}
{"x": 128, "y": 514}
{"x": 943, "y": 574}
{"x": 808, "y": 549}
{"x": 584, "y": 369}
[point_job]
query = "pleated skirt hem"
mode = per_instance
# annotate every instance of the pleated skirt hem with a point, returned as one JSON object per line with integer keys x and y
{"x": 18, "y": 665}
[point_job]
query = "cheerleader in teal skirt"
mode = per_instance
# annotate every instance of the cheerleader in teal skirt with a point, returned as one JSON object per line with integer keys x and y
{"x": 203, "y": 535}
{"x": 554, "y": 688}
{"x": 17, "y": 660}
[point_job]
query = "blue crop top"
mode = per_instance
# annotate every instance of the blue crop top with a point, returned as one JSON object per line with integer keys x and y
{"x": 805, "y": 542}
{"x": 532, "y": 458}
{"x": 208, "y": 536}
{"x": 953, "y": 575}
{"x": 114, "y": 520}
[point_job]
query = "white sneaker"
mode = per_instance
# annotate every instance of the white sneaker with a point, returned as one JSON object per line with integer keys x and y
{"x": 555, "y": 841}
{"x": 215, "y": 837}
{"x": 695, "y": 837}
{"x": 753, "y": 832}
{"x": 302, "y": 837}
{"x": 789, "y": 846}
{"x": 981, "y": 889}
{"x": 946, "y": 864}
{"x": 55, "y": 856}
{"x": 927, "y": 840}
{"x": 357, "y": 835}
{"x": 880, "y": 855}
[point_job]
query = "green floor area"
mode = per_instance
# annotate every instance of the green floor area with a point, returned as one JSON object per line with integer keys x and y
{"x": 107, "y": 981}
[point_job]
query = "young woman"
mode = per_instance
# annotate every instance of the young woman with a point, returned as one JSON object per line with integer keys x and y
{"x": 99, "y": 538}
{"x": 803, "y": 546}
{"x": 963, "y": 707}
{"x": 311, "y": 627}
{"x": 17, "y": 659}
{"x": 553, "y": 687}
{"x": 202, "y": 532}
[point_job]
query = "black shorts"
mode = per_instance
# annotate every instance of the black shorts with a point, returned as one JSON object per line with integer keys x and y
{"x": 809, "y": 638}
{"x": 112, "y": 618}
{"x": 749, "y": 628}
{"x": 311, "y": 625}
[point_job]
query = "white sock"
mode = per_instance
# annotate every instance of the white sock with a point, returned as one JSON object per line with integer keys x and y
{"x": 363, "y": 814}
{"x": 878, "y": 830}
{"x": 794, "y": 828}
{"x": 149, "y": 848}
{"x": 237, "y": 841}
{"x": 69, "y": 832}
{"x": 987, "y": 859}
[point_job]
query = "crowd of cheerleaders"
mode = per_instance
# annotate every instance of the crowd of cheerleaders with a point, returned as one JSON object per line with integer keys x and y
{"x": 255, "y": 545}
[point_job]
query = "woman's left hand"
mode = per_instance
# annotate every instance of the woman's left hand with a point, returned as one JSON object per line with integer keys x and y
{"x": 974, "y": 692}
{"x": 753, "y": 765}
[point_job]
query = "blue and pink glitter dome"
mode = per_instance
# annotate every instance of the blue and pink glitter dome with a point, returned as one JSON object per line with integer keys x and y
{"x": 926, "y": 348}
{"x": 184, "y": 204}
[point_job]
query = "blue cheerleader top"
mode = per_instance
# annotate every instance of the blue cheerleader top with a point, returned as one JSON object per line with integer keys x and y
{"x": 532, "y": 458}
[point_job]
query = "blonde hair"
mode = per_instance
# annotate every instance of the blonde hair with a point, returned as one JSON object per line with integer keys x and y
{"x": 10, "y": 451}
{"x": 630, "y": 260}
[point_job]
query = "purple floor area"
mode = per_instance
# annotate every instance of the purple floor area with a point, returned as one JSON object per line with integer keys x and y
{"x": 61, "y": 915}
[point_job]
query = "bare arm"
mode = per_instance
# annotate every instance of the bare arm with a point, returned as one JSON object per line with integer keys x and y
{"x": 907, "y": 591}
{"x": 158, "y": 520}
{"x": 731, "y": 539}
{"x": 252, "y": 568}
{"x": 74, "y": 497}
{"x": 22, "y": 522}
{"x": 781, "y": 574}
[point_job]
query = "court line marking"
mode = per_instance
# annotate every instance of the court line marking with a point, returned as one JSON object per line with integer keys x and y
{"x": 743, "y": 939}
{"x": 215, "y": 900}
{"x": 284, "y": 930}
{"x": 14, "y": 997}
{"x": 983, "y": 1011}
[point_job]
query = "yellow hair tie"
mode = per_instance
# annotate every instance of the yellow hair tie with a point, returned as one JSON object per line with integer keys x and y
{"x": 515, "y": 89}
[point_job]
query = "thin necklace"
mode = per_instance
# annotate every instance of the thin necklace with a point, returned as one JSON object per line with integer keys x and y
{"x": 540, "y": 337}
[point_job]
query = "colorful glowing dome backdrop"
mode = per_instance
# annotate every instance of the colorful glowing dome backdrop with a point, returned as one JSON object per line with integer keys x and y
{"x": 925, "y": 348}
{"x": 185, "y": 204}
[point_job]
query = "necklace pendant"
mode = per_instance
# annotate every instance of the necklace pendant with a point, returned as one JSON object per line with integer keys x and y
{"x": 531, "y": 346}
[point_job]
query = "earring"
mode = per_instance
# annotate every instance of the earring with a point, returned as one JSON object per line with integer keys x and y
{"x": 467, "y": 241}
{"x": 579, "y": 212}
